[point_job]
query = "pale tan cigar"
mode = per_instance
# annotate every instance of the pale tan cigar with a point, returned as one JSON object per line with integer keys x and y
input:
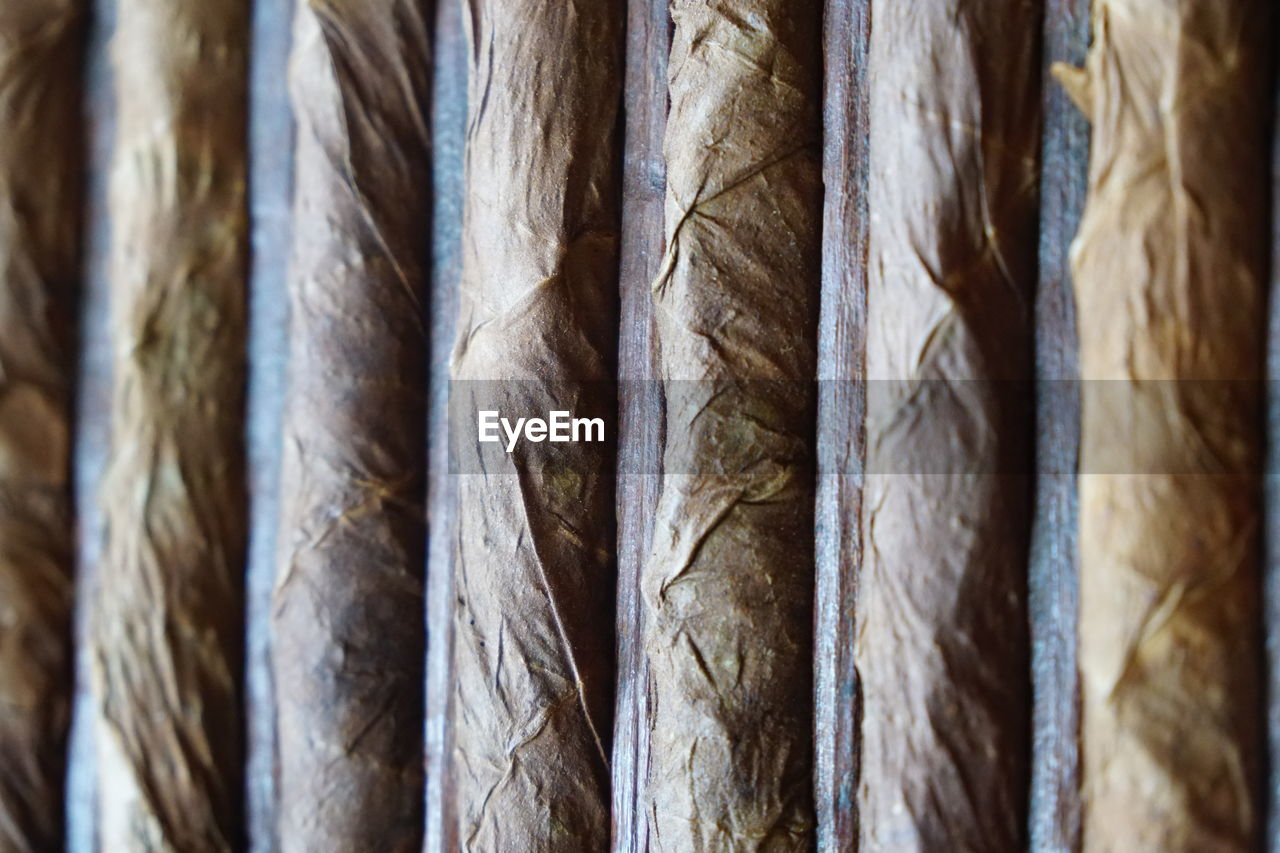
{"x": 1169, "y": 268}
{"x": 167, "y": 620}
{"x": 729, "y": 582}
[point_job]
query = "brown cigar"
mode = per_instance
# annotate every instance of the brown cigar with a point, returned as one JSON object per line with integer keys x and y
{"x": 40, "y": 88}
{"x": 1169, "y": 268}
{"x": 729, "y": 581}
{"x": 942, "y": 640}
{"x": 533, "y": 582}
{"x": 166, "y": 622}
{"x": 347, "y": 632}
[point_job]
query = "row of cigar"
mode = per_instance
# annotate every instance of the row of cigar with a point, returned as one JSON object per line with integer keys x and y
{"x": 691, "y": 728}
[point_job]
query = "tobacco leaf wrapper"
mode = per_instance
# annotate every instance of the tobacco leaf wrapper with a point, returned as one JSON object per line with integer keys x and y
{"x": 942, "y": 639}
{"x": 1169, "y": 267}
{"x": 39, "y": 251}
{"x": 532, "y": 703}
{"x": 347, "y": 618}
{"x": 166, "y": 623}
{"x": 729, "y": 582}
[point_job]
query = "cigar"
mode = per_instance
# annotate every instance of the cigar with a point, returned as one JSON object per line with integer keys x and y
{"x": 1169, "y": 267}
{"x": 347, "y": 618}
{"x": 40, "y": 89}
{"x": 941, "y": 646}
{"x": 166, "y": 620}
{"x": 728, "y": 585}
{"x": 533, "y": 569}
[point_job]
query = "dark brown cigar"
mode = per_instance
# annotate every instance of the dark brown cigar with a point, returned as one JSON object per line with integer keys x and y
{"x": 533, "y": 628}
{"x": 941, "y": 647}
{"x": 347, "y": 629}
{"x": 40, "y": 147}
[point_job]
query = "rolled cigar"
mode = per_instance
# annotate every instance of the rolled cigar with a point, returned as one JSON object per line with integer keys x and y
{"x": 728, "y": 584}
{"x": 347, "y": 622}
{"x": 1169, "y": 266}
{"x": 40, "y": 90}
{"x": 166, "y": 619}
{"x": 941, "y": 646}
{"x": 533, "y": 644}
